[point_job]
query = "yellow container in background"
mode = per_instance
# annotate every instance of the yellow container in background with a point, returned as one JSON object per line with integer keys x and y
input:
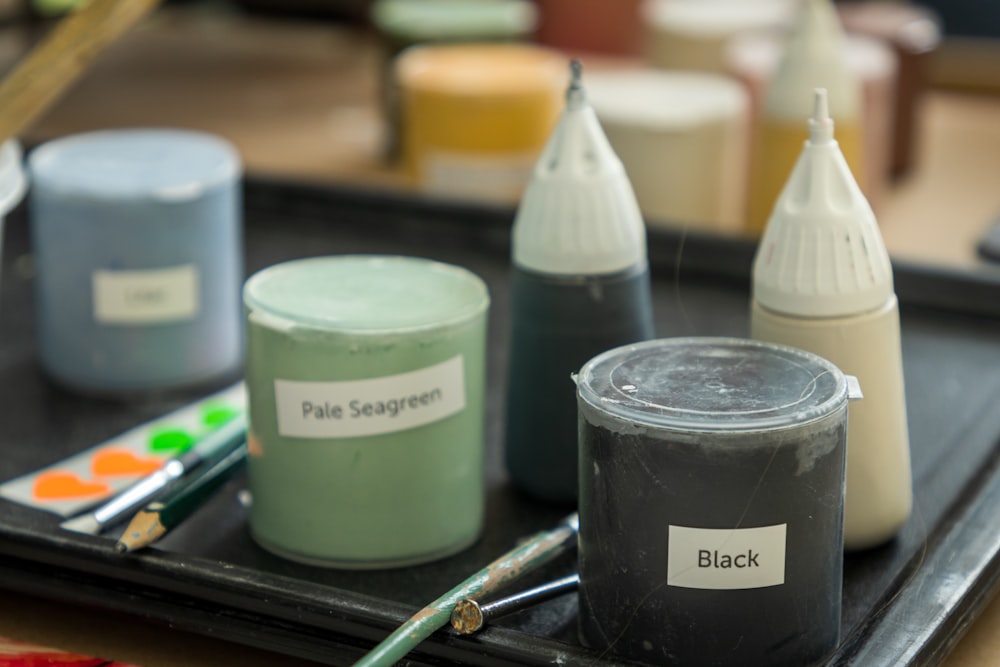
{"x": 476, "y": 116}
{"x": 779, "y": 145}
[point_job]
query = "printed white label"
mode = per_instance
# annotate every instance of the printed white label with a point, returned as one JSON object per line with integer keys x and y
{"x": 370, "y": 407}
{"x": 726, "y": 559}
{"x": 477, "y": 176}
{"x": 145, "y": 297}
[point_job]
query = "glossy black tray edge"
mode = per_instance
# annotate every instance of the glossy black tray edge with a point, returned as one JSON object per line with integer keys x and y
{"x": 944, "y": 590}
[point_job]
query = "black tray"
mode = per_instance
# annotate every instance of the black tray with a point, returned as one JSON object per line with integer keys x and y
{"x": 904, "y": 603}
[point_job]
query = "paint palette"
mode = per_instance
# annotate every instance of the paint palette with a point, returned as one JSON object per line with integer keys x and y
{"x": 73, "y": 484}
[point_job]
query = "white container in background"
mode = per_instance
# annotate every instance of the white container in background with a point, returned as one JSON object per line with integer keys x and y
{"x": 683, "y": 138}
{"x": 694, "y": 34}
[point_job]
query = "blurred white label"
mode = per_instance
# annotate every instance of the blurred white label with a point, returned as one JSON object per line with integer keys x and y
{"x": 146, "y": 297}
{"x": 370, "y": 407}
{"x": 726, "y": 559}
{"x": 499, "y": 178}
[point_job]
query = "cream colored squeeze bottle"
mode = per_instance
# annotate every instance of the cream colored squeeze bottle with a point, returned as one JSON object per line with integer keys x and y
{"x": 822, "y": 282}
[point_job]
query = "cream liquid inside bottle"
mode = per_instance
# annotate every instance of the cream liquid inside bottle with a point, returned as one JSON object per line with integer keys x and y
{"x": 823, "y": 283}
{"x": 878, "y": 498}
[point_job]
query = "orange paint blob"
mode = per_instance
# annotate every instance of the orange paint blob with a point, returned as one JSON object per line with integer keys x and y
{"x": 60, "y": 485}
{"x": 123, "y": 462}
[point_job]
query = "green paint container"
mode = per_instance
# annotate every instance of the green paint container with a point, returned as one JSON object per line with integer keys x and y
{"x": 366, "y": 383}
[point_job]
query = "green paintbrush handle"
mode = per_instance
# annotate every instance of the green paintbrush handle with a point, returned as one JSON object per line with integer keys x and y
{"x": 530, "y": 554}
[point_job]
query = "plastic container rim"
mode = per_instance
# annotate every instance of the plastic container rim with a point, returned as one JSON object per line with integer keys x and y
{"x": 637, "y": 418}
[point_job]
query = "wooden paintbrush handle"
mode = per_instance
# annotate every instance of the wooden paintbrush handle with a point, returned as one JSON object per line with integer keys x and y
{"x": 61, "y": 56}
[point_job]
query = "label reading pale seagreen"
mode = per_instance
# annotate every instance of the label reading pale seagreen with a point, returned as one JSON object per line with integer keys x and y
{"x": 151, "y": 296}
{"x": 726, "y": 559}
{"x": 373, "y": 406}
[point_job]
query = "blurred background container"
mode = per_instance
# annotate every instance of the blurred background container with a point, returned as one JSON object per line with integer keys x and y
{"x": 595, "y": 26}
{"x": 753, "y": 57}
{"x": 694, "y": 34}
{"x": 406, "y": 23}
{"x": 476, "y": 116}
{"x": 683, "y": 138}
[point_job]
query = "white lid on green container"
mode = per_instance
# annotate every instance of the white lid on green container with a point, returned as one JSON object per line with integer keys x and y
{"x": 364, "y": 294}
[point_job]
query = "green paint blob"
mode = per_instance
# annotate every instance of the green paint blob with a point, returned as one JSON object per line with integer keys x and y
{"x": 170, "y": 440}
{"x": 217, "y": 414}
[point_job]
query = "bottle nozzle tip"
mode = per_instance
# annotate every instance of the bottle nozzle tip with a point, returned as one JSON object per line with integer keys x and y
{"x": 820, "y": 125}
{"x": 821, "y": 108}
{"x": 574, "y": 93}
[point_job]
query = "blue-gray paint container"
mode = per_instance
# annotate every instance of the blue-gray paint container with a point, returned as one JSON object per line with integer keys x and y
{"x": 137, "y": 239}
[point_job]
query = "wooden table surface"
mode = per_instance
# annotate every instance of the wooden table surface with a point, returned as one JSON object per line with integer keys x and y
{"x": 299, "y": 100}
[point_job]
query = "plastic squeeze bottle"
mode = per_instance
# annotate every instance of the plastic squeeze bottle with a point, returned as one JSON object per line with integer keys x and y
{"x": 813, "y": 57}
{"x": 579, "y": 286}
{"x": 822, "y": 282}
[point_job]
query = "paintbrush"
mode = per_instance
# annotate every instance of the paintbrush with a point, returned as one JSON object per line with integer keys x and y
{"x": 527, "y": 556}
{"x": 177, "y": 503}
{"x": 51, "y": 66}
{"x": 470, "y": 615}
{"x": 227, "y": 437}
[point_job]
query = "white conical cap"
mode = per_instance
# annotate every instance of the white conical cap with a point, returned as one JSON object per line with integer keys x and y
{"x": 821, "y": 254}
{"x": 578, "y": 215}
{"x": 814, "y": 57}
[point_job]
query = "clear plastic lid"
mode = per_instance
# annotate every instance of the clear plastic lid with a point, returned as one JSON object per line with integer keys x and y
{"x": 712, "y": 384}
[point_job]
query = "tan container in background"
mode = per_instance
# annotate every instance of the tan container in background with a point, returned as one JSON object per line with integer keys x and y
{"x": 683, "y": 139}
{"x": 694, "y": 34}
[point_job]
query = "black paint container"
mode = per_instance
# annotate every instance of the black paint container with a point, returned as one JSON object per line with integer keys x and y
{"x": 711, "y": 502}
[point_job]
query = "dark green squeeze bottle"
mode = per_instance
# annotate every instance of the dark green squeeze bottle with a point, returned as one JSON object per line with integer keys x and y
{"x": 579, "y": 286}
